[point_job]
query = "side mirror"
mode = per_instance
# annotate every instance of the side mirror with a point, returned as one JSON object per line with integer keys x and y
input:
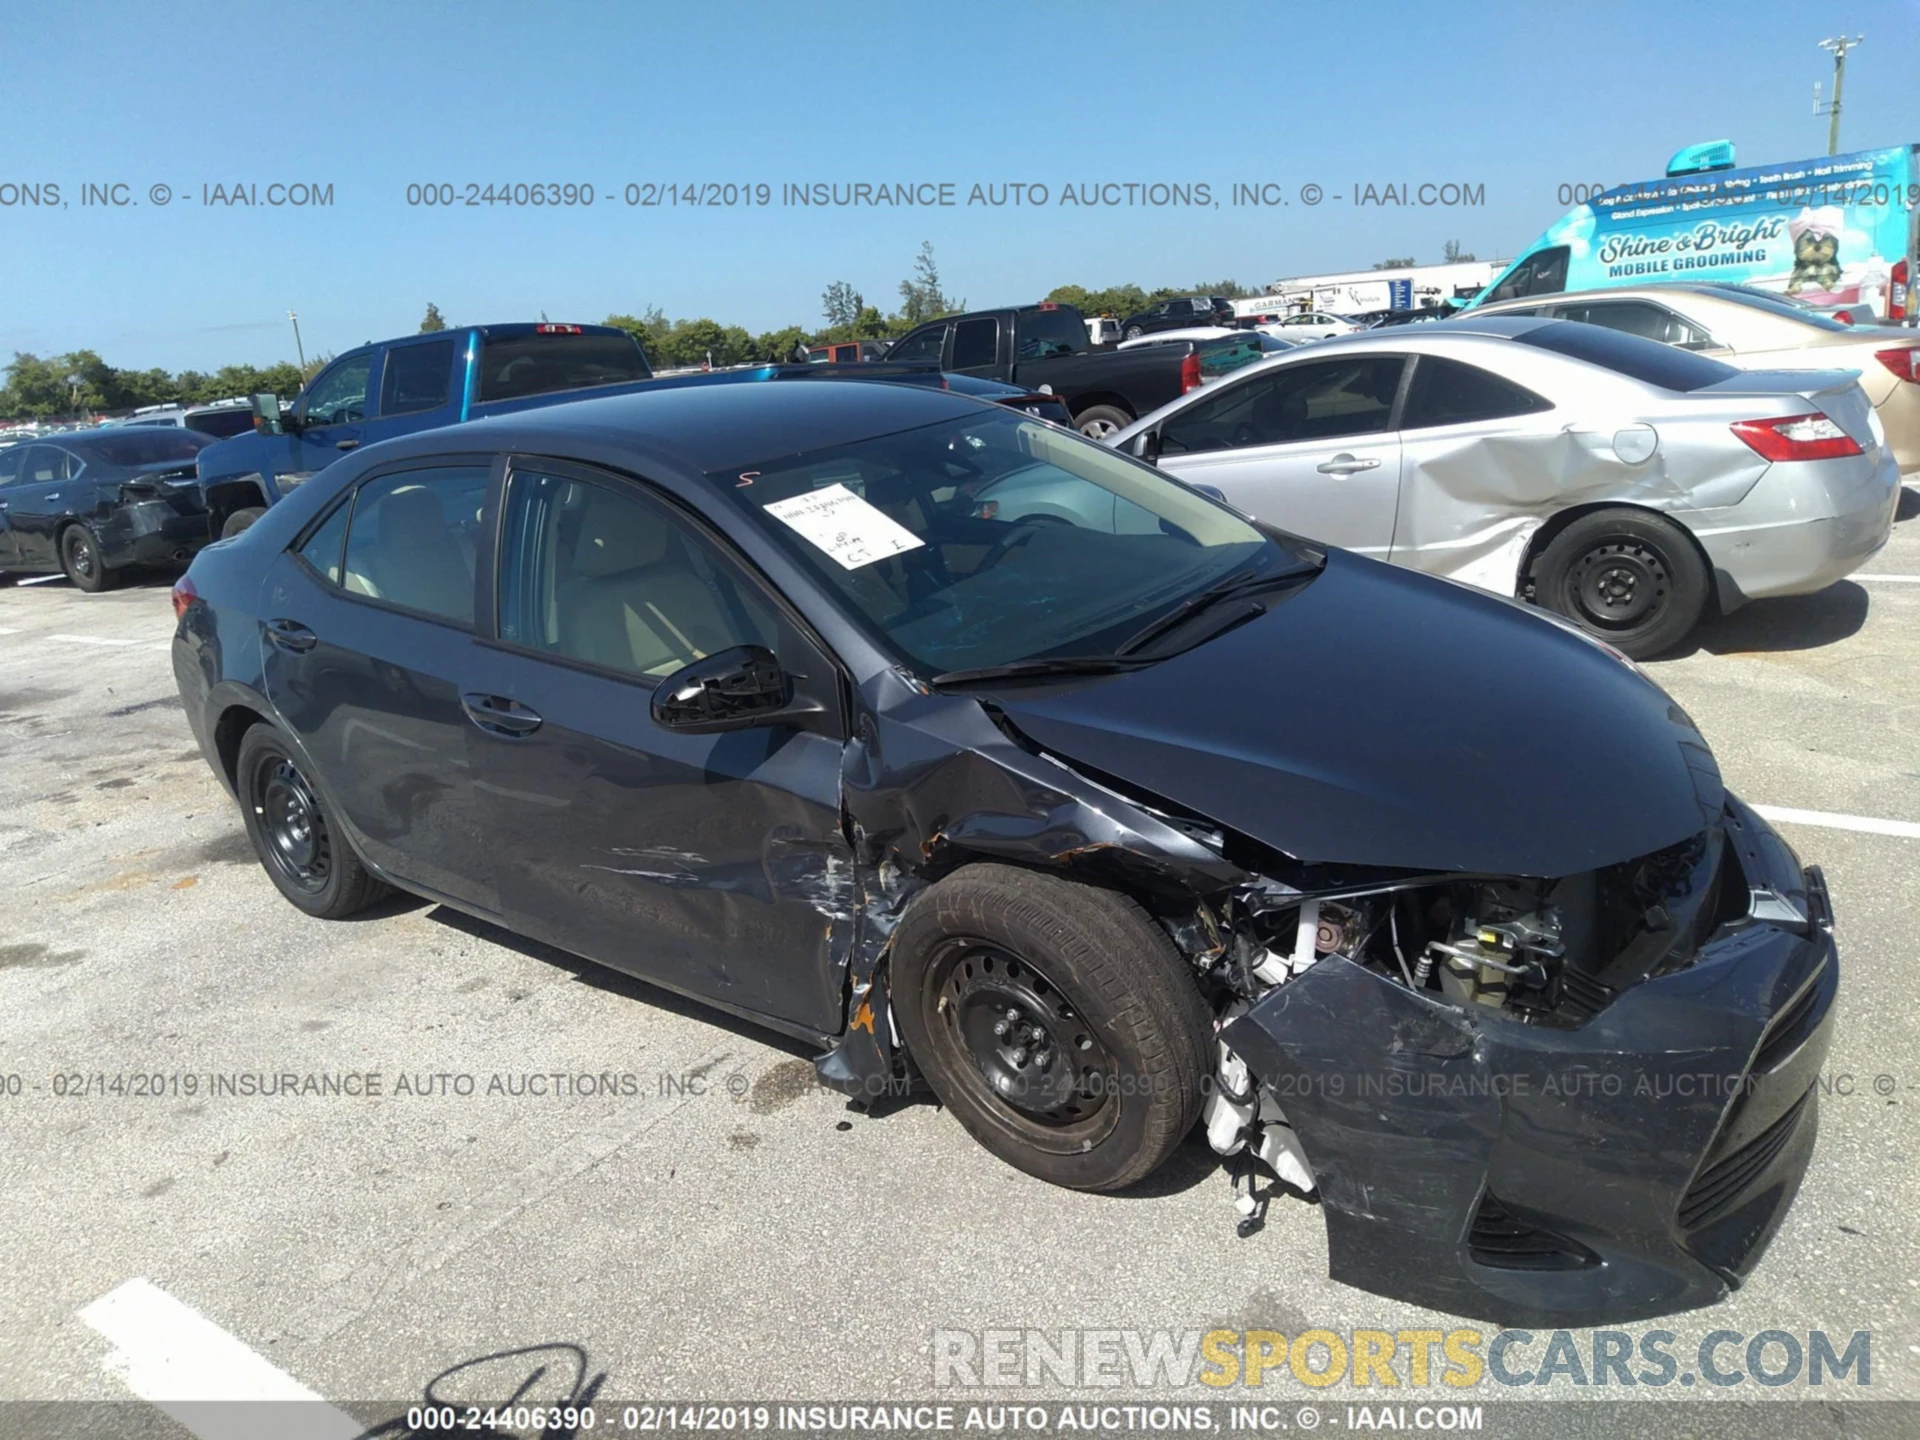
{"x": 729, "y": 690}
{"x": 1147, "y": 447}
{"x": 266, "y": 415}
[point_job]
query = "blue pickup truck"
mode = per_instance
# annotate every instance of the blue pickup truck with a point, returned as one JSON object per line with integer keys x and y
{"x": 423, "y": 382}
{"x": 396, "y": 387}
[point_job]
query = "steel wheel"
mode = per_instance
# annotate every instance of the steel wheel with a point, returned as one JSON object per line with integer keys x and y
{"x": 1620, "y": 585}
{"x": 80, "y": 558}
{"x": 293, "y": 827}
{"x": 1031, "y": 1052}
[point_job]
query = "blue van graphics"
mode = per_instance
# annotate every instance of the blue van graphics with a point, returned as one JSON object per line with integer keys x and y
{"x": 1832, "y": 231}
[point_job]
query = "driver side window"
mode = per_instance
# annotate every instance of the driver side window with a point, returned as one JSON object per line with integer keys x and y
{"x": 926, "y": 345}
{"x": 1328, "y": 400}
{"x": 339, "y": 396}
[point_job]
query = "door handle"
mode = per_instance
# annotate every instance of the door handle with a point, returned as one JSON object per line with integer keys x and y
{"x": 291, "y": 635}
{"x": 498, "y": 715}
{"x": 1346, "y": 465}
{"x": 345, "y": 444}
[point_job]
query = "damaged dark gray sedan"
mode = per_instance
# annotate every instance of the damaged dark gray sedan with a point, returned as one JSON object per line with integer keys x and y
{"x": 1108, "y": 820}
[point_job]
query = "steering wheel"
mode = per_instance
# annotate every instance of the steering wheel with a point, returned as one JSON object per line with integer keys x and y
{"x": 1019, "y": 535}
{"x": 1244, "y": 434}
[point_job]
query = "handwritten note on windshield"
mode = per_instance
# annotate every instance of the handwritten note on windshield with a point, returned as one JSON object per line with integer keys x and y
{"x": 839, "y": 522}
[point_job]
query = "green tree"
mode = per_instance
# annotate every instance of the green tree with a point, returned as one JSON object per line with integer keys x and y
{"x": 841, "y": 304}
{"x": 1399, "y": 262}
{"x": 1453, "y": 254}
{"x": 433, "y": 320}
{"x": 921, "y": 297}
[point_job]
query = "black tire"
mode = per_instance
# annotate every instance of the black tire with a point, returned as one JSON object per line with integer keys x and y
{"x": 303, "y": 854}
{"x": 240, "y": 520}
{"x": 1100, "y": 1077}
{"x": 1096, "y": 422}
{"x": 1632, "y": 579}
{"x": 1134, "y": 332}
{"x": 80, "y": 557}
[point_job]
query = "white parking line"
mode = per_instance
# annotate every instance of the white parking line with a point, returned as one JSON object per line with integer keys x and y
{"x": 1889, "y": 579}
{"x": 169, "y": 1354}
{"x": 41, "y": 579}
{"x": 1905, "y": 829}
{"x": 95, "y": 640}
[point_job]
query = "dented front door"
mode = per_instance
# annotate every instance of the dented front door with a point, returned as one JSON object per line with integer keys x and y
{"x": 712, "y": 864}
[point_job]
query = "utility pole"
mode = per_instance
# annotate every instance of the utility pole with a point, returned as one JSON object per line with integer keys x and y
{"x": 1838, "y": 48}
{"x": 300, "y": 349}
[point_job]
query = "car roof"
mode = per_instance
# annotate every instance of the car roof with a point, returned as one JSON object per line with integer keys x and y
{"x": 718, "y": 426}
{"x": 1494, "y": 327}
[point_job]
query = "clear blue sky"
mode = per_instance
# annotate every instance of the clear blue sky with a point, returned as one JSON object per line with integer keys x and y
{"x": 1519, "y": 98}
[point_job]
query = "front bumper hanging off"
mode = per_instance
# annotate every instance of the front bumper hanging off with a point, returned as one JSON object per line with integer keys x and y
{"x": 1630, "y": 1167}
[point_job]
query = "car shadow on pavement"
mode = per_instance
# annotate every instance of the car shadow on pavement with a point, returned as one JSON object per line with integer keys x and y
{"x": 1190, "y": 1165}
{"x": 1794, "y": 622}
{"x": 1909, "y": 505}
{"x": 617, "y": 982}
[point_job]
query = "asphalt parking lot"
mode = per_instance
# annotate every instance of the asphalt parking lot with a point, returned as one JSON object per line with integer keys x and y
{"x": 727, "y": 1229}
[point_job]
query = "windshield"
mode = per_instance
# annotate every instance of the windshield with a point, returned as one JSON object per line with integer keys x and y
{"x": 995, "y": 539}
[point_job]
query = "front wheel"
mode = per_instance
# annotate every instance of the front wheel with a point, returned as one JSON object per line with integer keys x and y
{"x": 1056, "y": 1020}
{"x": 1134, "y": 332}
{"x": 304, "y": 855}
{"x": 1097, "y": 422}
{"x": 1632, "y": 579}
{"x": 80, "y": 557}
{"x": 240, "y": 520}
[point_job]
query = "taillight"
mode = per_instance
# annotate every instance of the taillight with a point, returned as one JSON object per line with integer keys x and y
{"x": 549, "y": 329}
{"x": 1903, "y": 360}
{"x": 183, "y": 597}
{"x": 1845, "y": 317}
{"x": 1189, "y": 373}
{"x": 1897, "y": 301}
{"x": 1796, "y": 437}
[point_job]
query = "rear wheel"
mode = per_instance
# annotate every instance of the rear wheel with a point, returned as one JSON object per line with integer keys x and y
{"x": 1055, "y": 1020}
{"x": 1097, "y": 422}
{"x": 1630, "y": 578}
{"x": 302, "y": 852}
{"x": 240, "y": 520}
{"x": 80, "y": 557}
{"x": 1134, "y": 332}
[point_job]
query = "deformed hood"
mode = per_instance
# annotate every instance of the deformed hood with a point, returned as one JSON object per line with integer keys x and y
{"x": 1381, "y": 717}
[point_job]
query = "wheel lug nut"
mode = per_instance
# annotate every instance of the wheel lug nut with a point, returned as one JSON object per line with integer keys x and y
{"x": 1043, "y": 1058}
{"x": 1020, "y": 1056}
{"x": 1000, "y": 1028}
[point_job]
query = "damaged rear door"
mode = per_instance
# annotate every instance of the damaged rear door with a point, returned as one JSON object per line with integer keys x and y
{"x": 713, "y": 864}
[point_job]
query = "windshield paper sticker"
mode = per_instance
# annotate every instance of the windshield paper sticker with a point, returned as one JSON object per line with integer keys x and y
{"x": 839, "y": 522}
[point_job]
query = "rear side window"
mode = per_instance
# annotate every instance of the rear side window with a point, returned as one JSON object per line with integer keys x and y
{"x": 1645, "y": 360}
{"x": 413, "y": 539}
{"x": 418, "y": 377}
{"x": 516, "y": 366}
{"x": 976, "y": 343}
{"x": 1445, "y": 392}
{"x": 222, "y": 424}
{"x": 1638, "y": 317}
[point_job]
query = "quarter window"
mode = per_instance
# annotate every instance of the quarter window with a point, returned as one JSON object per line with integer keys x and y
{"x": 602, "y": 575}
{"x": 1328, "y": 400}
{"x": 1445, "y": 392}
{"x": 413, "y": 538}
{"x": 418, "y": 377}
{"x": 323, "y": 547}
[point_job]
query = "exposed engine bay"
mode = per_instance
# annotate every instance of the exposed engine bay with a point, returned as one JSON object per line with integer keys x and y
{"x": 1548, "y": 953}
